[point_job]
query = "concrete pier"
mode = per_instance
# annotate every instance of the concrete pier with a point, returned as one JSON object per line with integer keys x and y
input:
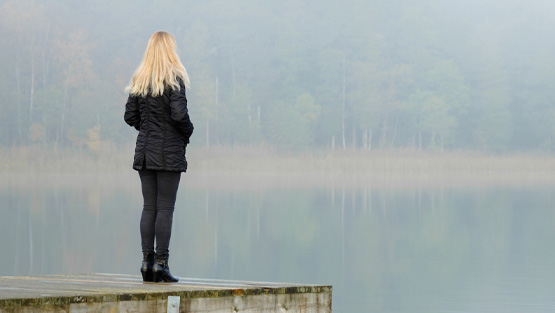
{"x": 128, "y": 293}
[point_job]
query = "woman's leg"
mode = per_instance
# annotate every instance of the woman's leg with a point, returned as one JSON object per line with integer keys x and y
{"x": 167, "y": 182}
{"x": 149, "y": 186}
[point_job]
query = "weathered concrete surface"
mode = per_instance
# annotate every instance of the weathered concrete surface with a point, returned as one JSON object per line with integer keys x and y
{"x": 127, "y": 293}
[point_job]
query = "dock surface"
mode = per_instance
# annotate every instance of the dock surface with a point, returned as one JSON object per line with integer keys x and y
{"x": 128, "y": 293}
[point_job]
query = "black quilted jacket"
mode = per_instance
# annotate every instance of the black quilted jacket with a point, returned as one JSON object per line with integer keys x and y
{"x": 164, "y": 129}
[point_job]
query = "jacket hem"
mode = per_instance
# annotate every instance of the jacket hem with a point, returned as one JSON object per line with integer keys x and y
{"x": 158, "y": 168}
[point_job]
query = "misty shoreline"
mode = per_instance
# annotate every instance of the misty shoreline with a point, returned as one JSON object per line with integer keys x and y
{"x": 264, "y": 159}
{"x": 258, "y": 168}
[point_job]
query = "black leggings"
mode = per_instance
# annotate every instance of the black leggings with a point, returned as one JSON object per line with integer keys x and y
{"x": 159, "y": 193}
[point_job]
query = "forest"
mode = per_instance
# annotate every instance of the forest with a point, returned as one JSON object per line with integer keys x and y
{"x": 292, "y": 75}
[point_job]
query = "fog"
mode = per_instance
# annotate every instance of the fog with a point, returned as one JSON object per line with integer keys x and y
{"x": 296, "y": 75}
{"x": 397, "y": 150}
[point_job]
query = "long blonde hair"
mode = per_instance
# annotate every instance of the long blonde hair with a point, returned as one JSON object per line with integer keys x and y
{"x": 159, "y": 68}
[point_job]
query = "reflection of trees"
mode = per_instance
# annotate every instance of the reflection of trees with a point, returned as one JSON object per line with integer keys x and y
{"x": 382, "y": 249}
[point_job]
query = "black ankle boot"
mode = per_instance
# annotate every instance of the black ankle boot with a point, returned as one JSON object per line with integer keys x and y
{"x": 146, "y": 268}
{"x": 161, "y": 271}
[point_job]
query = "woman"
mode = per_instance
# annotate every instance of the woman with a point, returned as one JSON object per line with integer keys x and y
{"x": 157, "y": 108}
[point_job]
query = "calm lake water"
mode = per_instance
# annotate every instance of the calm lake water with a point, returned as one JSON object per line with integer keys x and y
{"x": 385, "y": 247}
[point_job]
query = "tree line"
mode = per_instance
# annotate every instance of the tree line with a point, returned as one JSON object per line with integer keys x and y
{"x": 293, "y": 75}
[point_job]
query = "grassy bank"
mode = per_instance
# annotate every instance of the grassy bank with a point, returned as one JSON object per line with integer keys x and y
{"x": 259, "y": 168}
{"x": 260, "y": 159}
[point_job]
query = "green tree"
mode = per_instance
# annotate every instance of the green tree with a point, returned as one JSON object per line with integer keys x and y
{"x": 493, "y": 119}
{"x": 23, "y": 28}
{"x": 204, "y": 94}
{"x": 436, "y": 109}
{"x": 289, "y": 125}
{"x": 431, "y": 116}
{"x": 242, "y": 121}
{"x": 366, "y": 95}
{"x": 329, "y": 69}
{"x": 533, "y": 105}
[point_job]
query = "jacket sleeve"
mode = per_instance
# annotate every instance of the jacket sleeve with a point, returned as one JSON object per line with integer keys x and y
{"x": 179, "y": 112}
{"x": 132, "y": 115}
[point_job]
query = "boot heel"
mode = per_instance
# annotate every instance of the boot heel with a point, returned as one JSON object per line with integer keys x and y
{"x": 161, "y": 270}
{"x": 147, "y": 276}
{"x": 146, "y": 267}
{"x": 156, "y": 277}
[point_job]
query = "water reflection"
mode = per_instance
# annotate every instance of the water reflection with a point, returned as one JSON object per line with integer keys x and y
{"x": 384, "y": 249}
